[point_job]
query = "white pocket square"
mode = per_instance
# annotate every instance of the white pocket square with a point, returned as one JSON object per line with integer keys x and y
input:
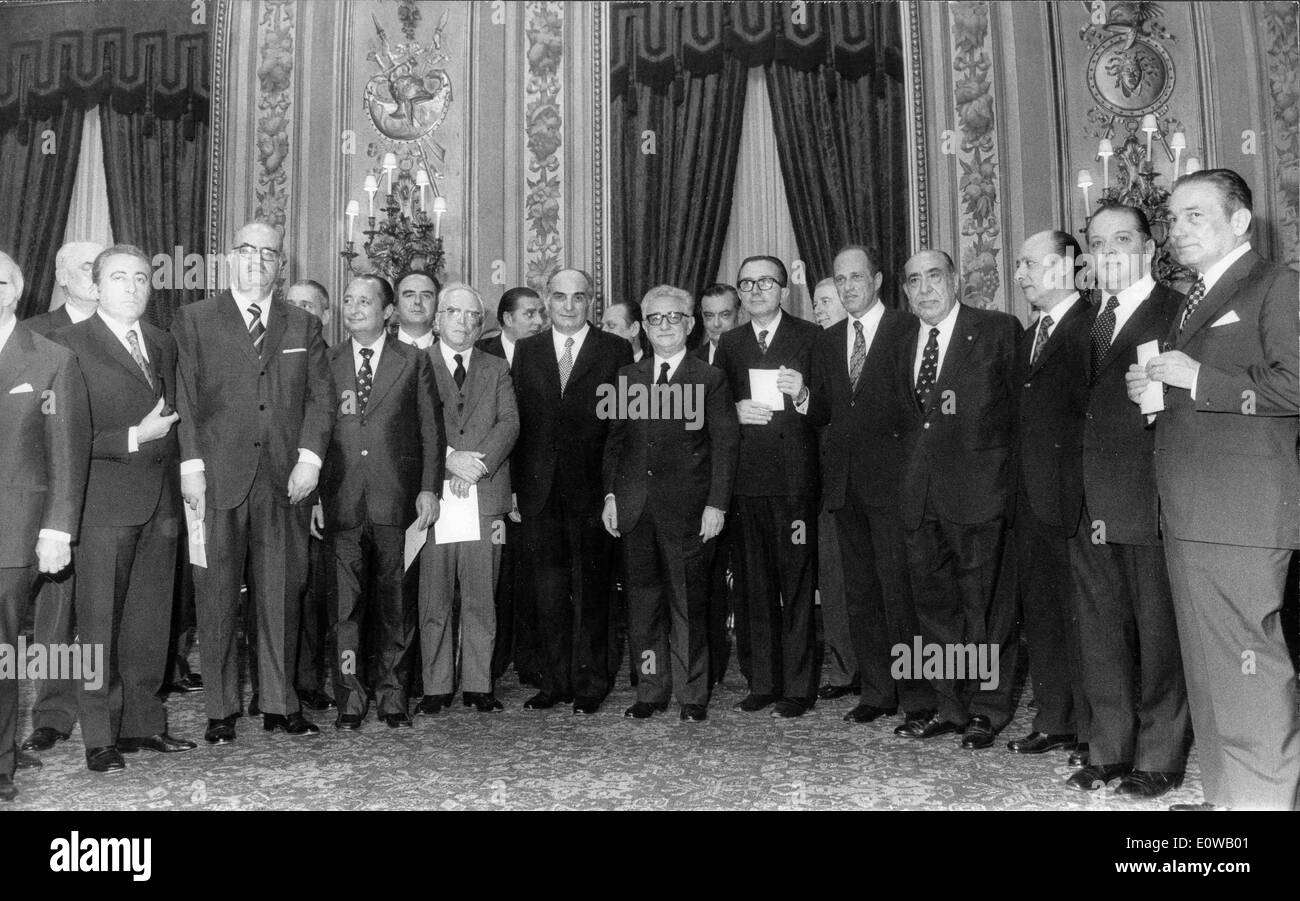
{"x": 1227, "y": 318}
{"x": 294, "y": 350}
{"x": 24, "y": 388}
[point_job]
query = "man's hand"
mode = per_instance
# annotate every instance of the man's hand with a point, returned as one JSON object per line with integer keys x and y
{"x": 317, "y": 520}
{"x": 790, "y": 381}
{"x": 193, "y": 487}
{"x": 609, "y": 516}
{"x": 514, "y": 509}
{"x": 302, "y": 481}
{"x": 753, "y": 413}
{"x": 155, "y": 425}
{"x": 459, "y": 486}
{"x": 1173, "y": 368}
{"x": 468, "y": 465}
{"x": 52, "y": 555}
{"x": 711, "y": 522}
{"x": 426, "y": 505}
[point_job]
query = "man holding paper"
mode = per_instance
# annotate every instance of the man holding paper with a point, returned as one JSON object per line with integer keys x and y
{"x": 478, "y": 400}
{"x": 383, "y": 471}
{"x": 1229, "y": 484}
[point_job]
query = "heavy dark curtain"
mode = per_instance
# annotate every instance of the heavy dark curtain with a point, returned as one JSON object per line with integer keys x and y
{"x": 36, "y": 178}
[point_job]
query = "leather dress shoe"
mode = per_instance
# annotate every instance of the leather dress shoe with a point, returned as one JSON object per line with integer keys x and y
{"x": 348, "y": 721}
{"x": 1199, "y": 805}
{"x": 220, "y": 732}
{"x": 27, "y": 761}
{"x": 1147, "y": 785}
{"x": 788, "y": 708}
{"x": 866, "y": 713}
{"x": 1079, "y": 755}
{"x": 430, "y": 704}
{"x": 544, "y": 701}
{"x": 694, "y": 713}
{"x": 831, "y": 692}
{"x": 979, "y": 733}
{"x": 294, "y": 724}
{"x": 43, "y": 739}
{"x": 316, "y": 700}
{"x": 104, "y": 760}
{"x": 926, "y": 728}
{"x": 254, "y": 708}
{"x": 8, "y": 791}
{"x": 395, "y": 720}
{"x": 586, "y": 706}
{"x": 1091, "y": 778}
{"x": 482, "y": 701}
{"x": 185, "y": 684}
{"x": 754, "y": 703}
{"x": 1039, "y": 743}
{"x": 162, "y": 743}
{"x": 643, "y": 710}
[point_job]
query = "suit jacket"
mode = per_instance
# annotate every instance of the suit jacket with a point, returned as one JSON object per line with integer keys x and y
{"x": 494, "y": 347}
{"x": 959, "y": 452}
{"x": 126, "y": 489}
{"x": 381, "y": 457}
{"x": 862, "y": 432}
{"x": 240, "y": 411}
{"x": 481, "y": 416}
{"x": 49, "y": 322}
{"x": 562, "y": 439}
{"x": 663, "y": 465}
{"x": 1226, "y": 464}
{"x": 702, "y": 351}
{"x": 1050, "y": 418}
{"x": 778, "y": 459}
{"x": 1109, "y": 467}
{"x": 44, "y": 444}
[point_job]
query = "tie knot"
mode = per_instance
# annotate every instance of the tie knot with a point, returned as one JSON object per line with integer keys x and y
{"x": 1112, "y": 303}
{"x": 133, "y": 340}
{"x": 367, "y": 352}
{"x": 663, "y": 367}
{"x": 255, "y": 311}
{"x": 1047, "y": 322}
{"x": 857, "y": 326}
{"x": 457, "y": 358}
{"x": 568, "y": 342}
{"x": 762, "y": 336}
{"x": 934, "y": 333}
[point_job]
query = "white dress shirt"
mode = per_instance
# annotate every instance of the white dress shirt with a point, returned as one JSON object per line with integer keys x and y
{"x": 377, "y": 347}
{"x": 424, "y": 342}
{"x": 770, "y": 328}
{"x": 120, "y": 331}
{"x": 508, "y": 348}
{"x": 1129, "y": 300}
{"x": 1057, "y": 312}
{"x": 578, "y": 337}
{"x": 946, "y": 327}
{"x": 448, "y": 357}
{"x": 673, "y": 362}
{"x": 76, "y": 314}
{"x": 870, "y": 325}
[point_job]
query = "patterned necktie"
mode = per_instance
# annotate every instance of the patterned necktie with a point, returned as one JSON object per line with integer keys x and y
{"x": 1044, "y": 325}
{"x": 365, "y": 379}
{"x": 929, "y": 369}
{"x": 459, "y": 374}
{"x": 132, "y": 340}
{"x": 255, "y": 328}
{"x": 859, "y": 356}
{"x": 762, "y": 342}
{"x": 1103, "y": 330}
{"x": 566, "y": 364}
{"x": 1194, "y": 297}
{"x": 663, "y": 374}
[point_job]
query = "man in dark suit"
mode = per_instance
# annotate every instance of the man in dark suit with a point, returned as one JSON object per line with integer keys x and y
{"x": 853, "y": 393}
{"x": 1131, "y": 670}
{"x": 132, "y": 512}
{"x": 417, "y": 297}
{"x": 958, "y": 408}
{"x": 775, "y": 492}
{"x": 668, "y": 480}
{"x": 478, "y": 403}
{"x": 1049, "y": 420}
{"x": 44, "y": 457}
{"x": 1229, "y": 483}
{"x": 256, "y": 406}
{"x": 54, "y": 712}
{"x": 719, "y": 306}
{"x": 557, "y": 375}
{"x": 383, "y": 471}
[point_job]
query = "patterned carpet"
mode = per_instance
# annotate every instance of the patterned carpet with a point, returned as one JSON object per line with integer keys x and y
{"x": 552, "y": 760}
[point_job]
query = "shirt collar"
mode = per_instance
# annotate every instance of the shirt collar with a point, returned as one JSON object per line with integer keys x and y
{"x": 424, "y": 342}
{"x": 770, "y": 328}
{"x": 673, "y": 362}
{"x": 1060, "y": 308}
{"x": 448, "y": 355}
{"x": 578, "y": 337}
{"x": 74, "y": 312}
{"x": 1215, "y": 272}
{"x": 1137, "y": 292}
{"x": 870, "y": 319}
{"x": 946, "y": 325}
{"x": 6, "y": 331}
{"x": 120, "y": 330}
{"x": 377, "y": 346}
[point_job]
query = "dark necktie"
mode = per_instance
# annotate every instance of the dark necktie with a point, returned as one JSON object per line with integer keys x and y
{"x": 132, "y": 340}
{"x": 762, "y": 341}
{"x": 929, "y": 369}
{"x": 255, "y": 328}
{"x": 663, "y": 374}
{"x": 459, "y": 374}
{"x": 1194, "y": 297}
{"x": 1044, "y": 326}
{"x": 1103, "y": 330}
{"x": 859, "y": 356}
{"x": 365, "y": 379}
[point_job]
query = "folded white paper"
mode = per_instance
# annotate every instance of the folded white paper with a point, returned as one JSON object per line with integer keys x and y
{"x": 763, "y": 390}
{"x": 458, "y": 517}
{"x": 1153, "y": 396}
{"x": 197, "y": 541}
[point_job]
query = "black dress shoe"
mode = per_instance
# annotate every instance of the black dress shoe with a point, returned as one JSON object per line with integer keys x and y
{"x": 294, "y": 724}
{"x": 1079, "y": 755}
{"x": 866, "y": 713}
{"x": 254, "y": 709}
{"x": 979, "y": 733}
{"x": 220, "y": 732}
{"x": 1200, "y": 805}
{"x": 643, "y": 710}
{"x": 586, "y": 706}
{"x": 754, "y": 703}
{"x": 8, "y": 791}
{"x": 28, "y": 761}
{"x": 1091, "y": 778}
{"x": 348, "y": 721}
{"x": 104, "y": 760}
{"x": 43, "y": 739}
{"x": 482, "y": 701}
{"x": 185, "y": 684}
{"x": 694, "y": 713}
{"x": 1039, "y": 743}
{"x": 316, "y": 700}
{"x": 395, "y": 720}
{"x": 831, "y": 692}
{"x": 788, "y": 708}
{"x": 1147, "y": 785}
{"x": 430, "y": 704}
{"x": 544, "y": 701}
{"x": 162, "y": 743}
{"x": 911, "y": 716}
{"x": 926, "y": 728}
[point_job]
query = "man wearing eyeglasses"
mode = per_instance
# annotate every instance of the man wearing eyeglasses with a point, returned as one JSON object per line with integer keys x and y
{"x": 257, "y": 407}
{"x": 776, "y": 492}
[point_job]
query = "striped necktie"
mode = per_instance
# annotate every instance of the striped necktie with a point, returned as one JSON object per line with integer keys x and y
{"x": 1044, "y": 327}
{"x": 256, "y": 330}
{"x": 132, "y": 340}
{"x": 859, "y": 357}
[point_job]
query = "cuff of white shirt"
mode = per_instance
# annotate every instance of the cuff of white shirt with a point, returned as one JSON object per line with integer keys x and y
{"x": 56, "y": 535}
{"x": 610, "y": 496}
{"x": 306, "y": 456}
{"x": 803, "y": 407}
{"x": 1195, "y": 378}
{"x": 189, "y": 466}
{"x": 132, "y": 439}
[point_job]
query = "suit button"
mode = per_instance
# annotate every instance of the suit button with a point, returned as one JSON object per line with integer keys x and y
{"x": 157, "y": 459}
{"x": 262, "y": 373}
{"x": 364, "y": 452}
{"x": 1027, "y": 384}
{"x": 462, "y": 431}
{"x": 261, "y": 406}
{"x": 257, "y": 444}
{"x": 927, "y": 425}
{"x": 649, "y": 472}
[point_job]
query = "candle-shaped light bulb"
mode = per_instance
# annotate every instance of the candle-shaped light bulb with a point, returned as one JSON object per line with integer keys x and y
{"x": 1084, "y": 182}
{"x": 439, "y": 207}
{"x": 370, "y": 186}
{"x": 1105, "y": 150}
{"x": 1193, "y": 165}
{"x": 390, "y": 163}
{"x": 422, "y": 181}
{"x": 353, "y": 210}
{"x": 1177, "y": 143}
{"x": 1150, "y": 127}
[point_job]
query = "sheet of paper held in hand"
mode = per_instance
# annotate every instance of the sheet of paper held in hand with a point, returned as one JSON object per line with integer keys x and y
{"x": 458, "y": 520}
{"x": 763, "y": 390}
{"x": 415, "y": 539}
{"x": 1153, "y": 396}
{"x": 197, "y": 540}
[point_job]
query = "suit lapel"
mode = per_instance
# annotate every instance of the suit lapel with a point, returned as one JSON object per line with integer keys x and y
{"x": 232, "y": 317}
{"x": 119, "y": 353}
{"x": 345, "y": 376}
{"x": 1057, "y": 338}
{"x": 16, "y": 348}
{"x": 276, "y": 320}
{"x": 1127, "y": 336}
{"x": 964, "y": 333}
{"x": 1208, "y": 309}
{"x": 585, "y": 359}
{"x": 391, "y": 364}
{"x": 475, "y": 379}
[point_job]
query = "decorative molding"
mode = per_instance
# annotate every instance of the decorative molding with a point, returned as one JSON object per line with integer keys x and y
{"x": 274, "y": 98}
{"x": 914, "y": 91}
{"x": 600, "y": 158}
{"x": 1279, "y": 28}
{"x": 216, "y": 127}
{"x": 544, "y": 126}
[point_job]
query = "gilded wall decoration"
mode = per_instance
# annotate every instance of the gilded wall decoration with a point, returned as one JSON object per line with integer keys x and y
{"x": 544, "y": 128}
{"x": 1280, "y": 24}
{"x": 274, "y": 99}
